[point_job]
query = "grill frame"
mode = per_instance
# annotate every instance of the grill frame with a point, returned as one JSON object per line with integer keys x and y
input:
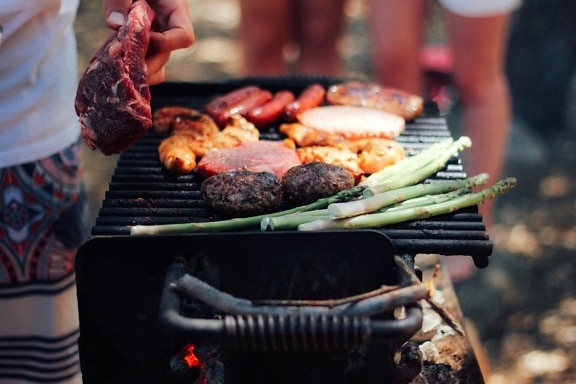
{"x": 142, "y": 192}
{"x": 120, "y": 278}
{"x": 124, "y": 336}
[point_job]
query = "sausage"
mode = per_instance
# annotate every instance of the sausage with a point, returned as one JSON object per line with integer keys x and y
{"x": 372, "y": 95}
{"x": 312, "y": 96}
{"x": 267, "y": 114}
{"x": 227, "y": 101}
{"x": 241, "y": 108}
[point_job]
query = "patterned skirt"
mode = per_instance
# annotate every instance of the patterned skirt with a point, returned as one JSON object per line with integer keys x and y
{"x": 42, "y": 222}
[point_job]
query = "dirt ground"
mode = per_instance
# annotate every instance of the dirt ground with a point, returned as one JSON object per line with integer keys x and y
{"x": 524, "y": 303}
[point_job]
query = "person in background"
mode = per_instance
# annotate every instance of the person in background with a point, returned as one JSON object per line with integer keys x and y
{"x": 477, "y": 37}
{"x": 42, "y": 209}
{"x": 272, "y": 31}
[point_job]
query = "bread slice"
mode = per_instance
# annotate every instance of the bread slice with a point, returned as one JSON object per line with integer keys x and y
{"x": 352, "y": 122}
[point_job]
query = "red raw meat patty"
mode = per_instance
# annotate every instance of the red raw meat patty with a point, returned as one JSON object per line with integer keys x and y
{"x": 259, "y": 156}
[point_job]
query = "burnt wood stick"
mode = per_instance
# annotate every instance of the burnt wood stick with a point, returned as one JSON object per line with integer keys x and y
{"x": 441, "y": 311}
{"x": 229, "y": 304}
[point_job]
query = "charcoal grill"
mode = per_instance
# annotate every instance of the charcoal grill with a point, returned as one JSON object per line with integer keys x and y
{"x": 133, "y": 324}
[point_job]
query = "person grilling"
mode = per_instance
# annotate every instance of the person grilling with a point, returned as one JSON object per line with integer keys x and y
{"x": 43, "y": 220}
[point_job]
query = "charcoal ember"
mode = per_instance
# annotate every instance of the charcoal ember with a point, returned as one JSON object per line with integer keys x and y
{"x": 306, "y": 183}
{"x": 242, "y": 193}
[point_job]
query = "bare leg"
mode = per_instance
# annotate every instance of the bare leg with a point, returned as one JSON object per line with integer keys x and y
{"x": 320, "y": 26}
{"x": 478, "y": 46}
{"x": 264, "y": 32}
{"x": 396, "y": 29}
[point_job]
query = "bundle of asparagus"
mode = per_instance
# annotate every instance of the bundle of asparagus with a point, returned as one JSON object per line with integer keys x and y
{"x": 392, "y": 195}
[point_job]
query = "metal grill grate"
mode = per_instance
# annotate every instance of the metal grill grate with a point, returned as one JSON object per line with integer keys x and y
{"x": 142, "y": 192}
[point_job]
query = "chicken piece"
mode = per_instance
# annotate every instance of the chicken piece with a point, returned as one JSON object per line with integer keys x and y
{"x": 177, "y": 119}
{"x": 342, "y": 157}
{"x": 375, "y": 154}
{"x": 240, "y": 128}
{"x": 195, "y": 137}
{"x": 304, "y": 136}
{"x": 177, "y": 154}
{"x": 238, "y": 131}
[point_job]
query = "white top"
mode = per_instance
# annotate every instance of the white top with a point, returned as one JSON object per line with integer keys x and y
{"x": 38, "y": 79}
{"x": 481, "y": 8}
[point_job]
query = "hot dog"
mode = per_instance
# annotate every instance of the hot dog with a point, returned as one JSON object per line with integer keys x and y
{"x": 269, "y": 113}
{"x": 229, "y": 100}
{"x": 243, "y": 106}
{"x": 312, "y": 96}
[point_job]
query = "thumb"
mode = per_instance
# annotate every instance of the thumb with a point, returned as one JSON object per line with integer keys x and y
{"x": 115, "y": 12}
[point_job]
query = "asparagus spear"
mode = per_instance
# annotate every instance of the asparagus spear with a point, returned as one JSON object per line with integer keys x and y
{"x": 375, "y": 220}
{"x": 376, "y": 202}
{"x": 427, "y": 200}
{"x": 415, "y": 172}
{"x": 291, "y": 221}
{"x": 242, "y": 222}
{"x": 408, "y": 164}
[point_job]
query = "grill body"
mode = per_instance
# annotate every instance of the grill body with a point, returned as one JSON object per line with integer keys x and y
{"x": 120, "y": 283}
{"x": 121, "y": 279}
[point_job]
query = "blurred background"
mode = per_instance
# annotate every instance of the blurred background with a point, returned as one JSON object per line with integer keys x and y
{"x": 524, "y": 303}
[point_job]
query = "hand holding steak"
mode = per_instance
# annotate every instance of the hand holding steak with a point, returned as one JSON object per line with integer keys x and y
{"x": 113, "y": 98}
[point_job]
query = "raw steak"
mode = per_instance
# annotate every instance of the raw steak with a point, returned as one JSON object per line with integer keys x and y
{"x": 113, "y": 98}
{"x": 258, "y": 156}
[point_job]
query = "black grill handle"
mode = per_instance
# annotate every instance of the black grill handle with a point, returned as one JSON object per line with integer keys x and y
{"x": 277, "y": 331}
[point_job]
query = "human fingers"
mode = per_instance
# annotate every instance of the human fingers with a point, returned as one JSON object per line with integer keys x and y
{"x": 155, "y": 63}
{"x": 174, "y": 23}
{"x": 115, "y": 12}
{"x": 157, "y": 77}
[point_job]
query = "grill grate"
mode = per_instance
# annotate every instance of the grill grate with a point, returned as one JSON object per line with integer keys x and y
{"x": 142, "y": 192}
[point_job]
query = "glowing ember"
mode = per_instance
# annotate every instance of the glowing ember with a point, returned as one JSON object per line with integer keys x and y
{"x": 189, "y": 356}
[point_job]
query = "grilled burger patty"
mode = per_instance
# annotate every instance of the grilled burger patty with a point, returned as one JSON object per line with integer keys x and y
{"x": 242, "y": 193}
{"x": 307, "y": 183}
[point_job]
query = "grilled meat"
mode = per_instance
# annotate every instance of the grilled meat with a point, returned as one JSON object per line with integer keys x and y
{"x": 375, "y": 154}
{"x": 259, "y": 156}
{"x": 270, "y": 112}
{"x": 194, "y": 134}
{"x": 307, "y": 183}
{"x": 311, "y": 97}
{"x": 179, "y": 119}
{"x": 370, "y": 95}
{"x": 352, "y": 122}
{"x": 242, "y": 193}
{"x": 222, "y": 107}
{"x": 177, "y": 154}
{"x": 237, "y": 131}
{"x": 342, "y": 157}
